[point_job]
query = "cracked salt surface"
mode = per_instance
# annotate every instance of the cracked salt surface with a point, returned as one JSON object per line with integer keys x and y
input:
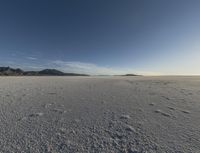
{"x": 106, "y": 114}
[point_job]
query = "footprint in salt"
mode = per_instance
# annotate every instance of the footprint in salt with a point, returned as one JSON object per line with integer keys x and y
{"x": 162, "y": 113}
{"x": 124, "y": 116}
{"x": 185, "y": 111}
{"x": 36, "y": 114}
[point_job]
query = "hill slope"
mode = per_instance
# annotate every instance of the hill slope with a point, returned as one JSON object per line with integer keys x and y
{"x": 7, "y": 71}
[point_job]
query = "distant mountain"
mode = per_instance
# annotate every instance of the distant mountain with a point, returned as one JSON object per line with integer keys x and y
{"x": 132, "y": 75}
{"x": 129, "y": 75}
{"x": 7, "y": 71}
{"x": 50, "y": 72}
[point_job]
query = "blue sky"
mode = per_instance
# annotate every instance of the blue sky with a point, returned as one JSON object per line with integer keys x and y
{"x": 102, "y": 36}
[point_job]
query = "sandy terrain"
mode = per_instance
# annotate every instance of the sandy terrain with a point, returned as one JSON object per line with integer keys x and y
{"x": 100, "y": 114}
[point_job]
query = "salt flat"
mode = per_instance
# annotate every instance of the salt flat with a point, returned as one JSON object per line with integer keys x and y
{"x": 100, "y": 114}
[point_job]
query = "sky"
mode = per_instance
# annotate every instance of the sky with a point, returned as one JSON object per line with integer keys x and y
{"x": 149, "y": 37}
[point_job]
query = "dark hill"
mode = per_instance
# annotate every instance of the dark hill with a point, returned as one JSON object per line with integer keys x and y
{"x": 51, "y": 72}
{"x": 7, "y": 71}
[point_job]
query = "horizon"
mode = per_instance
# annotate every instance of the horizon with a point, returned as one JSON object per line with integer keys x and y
{"x": 102, "y": 37}
{"x": 122, "y": 74}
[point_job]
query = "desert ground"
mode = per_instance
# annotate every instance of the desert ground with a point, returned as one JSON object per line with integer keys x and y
{"x": 100, "y": 114}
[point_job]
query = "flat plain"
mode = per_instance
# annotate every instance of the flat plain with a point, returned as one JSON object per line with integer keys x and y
{"x": 100, "y": 114}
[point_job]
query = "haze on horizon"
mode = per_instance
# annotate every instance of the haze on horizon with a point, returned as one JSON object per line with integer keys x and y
{"x": 154, "y": 37}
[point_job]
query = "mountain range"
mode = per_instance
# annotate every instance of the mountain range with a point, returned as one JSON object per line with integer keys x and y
{"x": 8, "y": 71}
